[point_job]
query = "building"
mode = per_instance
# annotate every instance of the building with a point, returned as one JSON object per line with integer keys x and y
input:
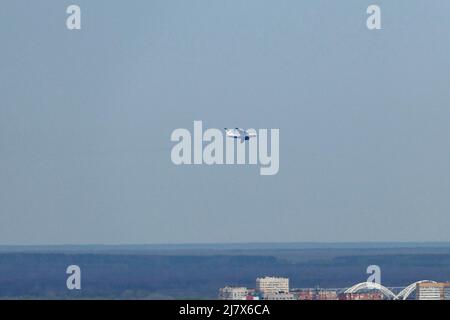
{"x": 315, "y": 294}
{"x": 433, "y": 291}
{"x": 361, "y": 296}
{"x": 304, "y": 294}
{"x": 272, "y": 285}
{"x": 279, "y": 296}
{"x": 322, "y": 294}
{"x": 233, "y": 293}
{"x": 253, "y": 295}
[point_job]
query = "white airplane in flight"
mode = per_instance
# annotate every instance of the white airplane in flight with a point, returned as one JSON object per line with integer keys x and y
{"x": 238, "y": 133}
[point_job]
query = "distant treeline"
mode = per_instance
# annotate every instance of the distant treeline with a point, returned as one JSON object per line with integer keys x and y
{"x": 145, "y": 276}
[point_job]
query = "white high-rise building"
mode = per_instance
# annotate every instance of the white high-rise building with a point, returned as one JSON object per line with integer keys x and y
{"x": 433, "y": 291}
{"x": 272, "y": 285}
{"x": 233, "y": 293}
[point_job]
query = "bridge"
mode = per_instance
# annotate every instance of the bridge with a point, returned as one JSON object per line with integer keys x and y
{"x": 389, "y": 294}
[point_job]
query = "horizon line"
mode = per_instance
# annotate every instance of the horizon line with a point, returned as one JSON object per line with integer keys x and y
{"x": 231, "y": 243}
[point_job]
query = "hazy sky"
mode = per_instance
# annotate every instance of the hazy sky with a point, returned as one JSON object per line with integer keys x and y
{"x": 86, "y": 118}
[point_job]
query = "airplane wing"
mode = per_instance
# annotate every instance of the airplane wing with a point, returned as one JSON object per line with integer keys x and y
{"x": 242, "y": 131}
{"x": 251, "y": 133}
{"x": 232, "y": 133}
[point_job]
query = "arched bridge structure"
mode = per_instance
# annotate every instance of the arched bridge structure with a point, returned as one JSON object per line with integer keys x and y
{"x": 403, "y": 295}
{"x": 371, "y": 286}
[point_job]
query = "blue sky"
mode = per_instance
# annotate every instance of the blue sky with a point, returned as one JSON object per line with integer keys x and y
{"x": 86, "y": 118}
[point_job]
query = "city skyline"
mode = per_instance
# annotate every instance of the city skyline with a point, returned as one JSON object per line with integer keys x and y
{"x": 277, "y": 288}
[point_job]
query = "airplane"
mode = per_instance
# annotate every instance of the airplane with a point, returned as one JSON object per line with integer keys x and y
{"x": 236, "y": 133}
